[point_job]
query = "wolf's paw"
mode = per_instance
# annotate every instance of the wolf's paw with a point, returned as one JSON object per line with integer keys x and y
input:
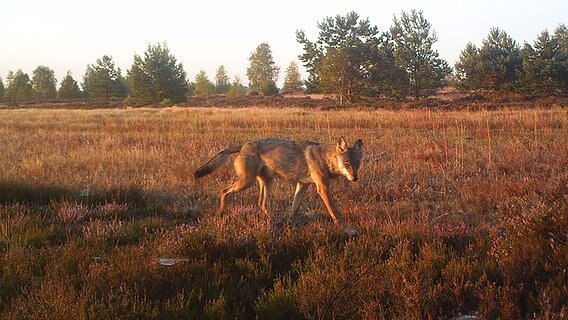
{"x": 352, "y": 232}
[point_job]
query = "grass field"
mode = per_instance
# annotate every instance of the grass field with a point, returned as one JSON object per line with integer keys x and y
{"x": 459, "y": 213}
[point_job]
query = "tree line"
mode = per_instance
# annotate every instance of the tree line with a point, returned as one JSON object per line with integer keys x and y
{"x": 351, "y": 59}
{"x": 501, "y": 64}
{"x": 156, "y": 76}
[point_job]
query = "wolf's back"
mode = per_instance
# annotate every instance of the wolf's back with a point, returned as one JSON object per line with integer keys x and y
{"x": 216, "y": 162}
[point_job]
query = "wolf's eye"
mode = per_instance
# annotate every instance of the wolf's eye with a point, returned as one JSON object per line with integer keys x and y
{"x": 346, "y": 163}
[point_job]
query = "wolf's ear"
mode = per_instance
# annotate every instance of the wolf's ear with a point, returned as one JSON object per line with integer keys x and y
{"x": 358, "y": 145}
{"x": 341, "y": 145}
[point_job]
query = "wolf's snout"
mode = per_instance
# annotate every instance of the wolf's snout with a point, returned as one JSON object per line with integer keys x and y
{"x": 354, "y": 179}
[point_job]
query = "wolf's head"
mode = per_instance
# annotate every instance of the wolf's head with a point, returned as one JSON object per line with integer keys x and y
{"x": 349, "y": 159}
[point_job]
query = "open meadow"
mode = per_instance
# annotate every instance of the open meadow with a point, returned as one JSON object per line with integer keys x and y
{"x": 459, "y": 212}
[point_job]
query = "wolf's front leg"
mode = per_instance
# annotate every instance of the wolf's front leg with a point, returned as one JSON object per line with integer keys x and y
{"x": 325, "y": 194}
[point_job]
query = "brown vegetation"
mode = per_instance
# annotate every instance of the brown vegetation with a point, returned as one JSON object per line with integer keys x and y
{"x": 448, "y": 98}
{"x": 460, "y": 212}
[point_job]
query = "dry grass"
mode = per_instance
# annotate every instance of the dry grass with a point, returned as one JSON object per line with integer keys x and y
{"x": 460, "y": 213}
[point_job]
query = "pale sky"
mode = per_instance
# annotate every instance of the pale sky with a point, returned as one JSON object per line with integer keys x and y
{"x": 70, "y": 34}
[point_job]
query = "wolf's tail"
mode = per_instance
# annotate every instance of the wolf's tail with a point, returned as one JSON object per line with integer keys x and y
{"x": 216, "y": 162}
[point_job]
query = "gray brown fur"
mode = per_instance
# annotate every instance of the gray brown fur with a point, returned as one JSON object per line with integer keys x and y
{"x": 300, "y": 162}
{"x": 216, "y": 162}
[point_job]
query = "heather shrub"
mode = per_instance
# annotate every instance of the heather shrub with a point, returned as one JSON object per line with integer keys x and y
{"x": 458, "y": 212}
{"x": 531, "y": 251}
{"x": 278, "y": 303}
{"x": 49, "y": 300}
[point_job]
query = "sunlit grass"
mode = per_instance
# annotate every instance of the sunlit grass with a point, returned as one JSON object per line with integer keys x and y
{"x": 460, "y": 213}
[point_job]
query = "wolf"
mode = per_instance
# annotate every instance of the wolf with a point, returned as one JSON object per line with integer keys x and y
{"x": 300, "y": 162}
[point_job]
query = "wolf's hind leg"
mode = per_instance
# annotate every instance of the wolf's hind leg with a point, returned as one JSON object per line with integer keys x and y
{"x": 261, "y": 190}
{"x": 237, "y": 186}
{"x": 265, "y": 184}
{"x": 246, "y": 168}
{"x": 298, "y": 197}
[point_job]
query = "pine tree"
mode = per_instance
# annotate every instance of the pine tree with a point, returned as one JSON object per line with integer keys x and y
{"x": 561, "y": 35}
{"x": 69, "y": 88}
{"x": 338, "y": 76}
{"x": 544, "y": 66}
{"x": 292, "y": 80}
{"x": 19, "y": 87}
{"x": 413, "y": 40}
{"x": 346, "y": 48}
{"x": 103, "y": 81}
{"x": 501, "y": 59}
{"x": 469, "y": 68}
{"x": 203, "y": 87}
{"x": 366, "y": 56}
{"x": 262, "y": 72}
{"x": 44, "y": 83}
{"x": 222, "y": 83}
{"x": 1, "y": 90}
{"x": 495, "y": 66}
{"x": 157, "y": 76}
{"x": 385, "y": 76}
{"x": 236, "y": 89}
